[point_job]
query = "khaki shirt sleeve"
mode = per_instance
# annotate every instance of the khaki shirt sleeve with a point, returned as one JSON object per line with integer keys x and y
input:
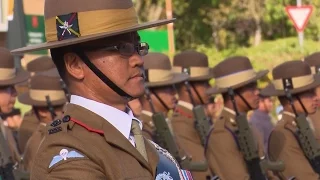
{"x": 295, "y": 162}
{"x": 80, "y": 169}
{"x": 224, "y": 158}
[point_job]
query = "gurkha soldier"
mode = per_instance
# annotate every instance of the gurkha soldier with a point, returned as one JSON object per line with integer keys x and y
{"x": 313, "y": 61}
{"x": 292, "y": 140}
{"x": 183, "y": 120}
{"x": 160, "y": 80}
{"x": 30, "y": 121}
{"x": 97, "y": 51}
{"x": 47, "y": 99}
{"x": 9, "y": 76}
{"x": 236, "y": 80}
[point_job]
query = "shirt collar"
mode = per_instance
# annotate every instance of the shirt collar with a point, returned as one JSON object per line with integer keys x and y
{"x": 289, "y": 114}
{"x": 120, "y": 120}
{"x": 229, "y": 110}
{"x": 185, "y": 104}
{"x": 148, "y": 113}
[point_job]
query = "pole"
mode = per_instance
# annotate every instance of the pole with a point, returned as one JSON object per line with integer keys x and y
{"x": 300, "y": 34}
{"x": 170, "y": 28}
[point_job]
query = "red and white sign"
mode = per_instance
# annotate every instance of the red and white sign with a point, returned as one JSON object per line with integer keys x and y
{"x": 299, "y": 15}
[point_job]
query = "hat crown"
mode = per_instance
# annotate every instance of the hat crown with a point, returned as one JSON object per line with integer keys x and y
{"x": 232, "y": 65}
{"x": 42, "y": 63}
{"x": 43, "y": 82}
{"x": 55, "y": 8}
{"x": 157, "y": 61}
{"x": 313, "y": 59}
{"x": 290, "y": 69}
{"x": 6, "y": 59}
{"x": 190, "y": 58}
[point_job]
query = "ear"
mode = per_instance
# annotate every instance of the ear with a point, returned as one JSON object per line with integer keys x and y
{"x": 74, "y": 65}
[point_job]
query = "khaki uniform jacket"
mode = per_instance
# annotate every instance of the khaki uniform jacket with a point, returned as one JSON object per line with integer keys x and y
{"x": 97, "y": 150}
{"x": 29, "y": 124}
{"x": 33, "y": 145}
{"x": 315, "y": 123}
{"x": 183, "y": 126}
{"x": 148, "y": 128}
{"x": 12, "y": 144}
{"x": 222, "y": 152}
{"x": 284, "y": 146}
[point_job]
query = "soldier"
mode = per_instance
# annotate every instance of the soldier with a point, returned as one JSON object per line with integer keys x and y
{"x": 293, "y": 83}
{"x": 313, "y": 61}
{"x": 234, "y": 74}
{"x": 30, "y": 121}
{"x": 9, "y": 76}
{"x": 183, "y": 121}
{"x": 159, "y": 80}
{"x": 47, "y": 99}
{"x": 97, "y": 51}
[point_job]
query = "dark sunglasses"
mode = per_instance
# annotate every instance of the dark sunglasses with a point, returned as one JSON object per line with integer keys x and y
{"x": 128, "y": 49}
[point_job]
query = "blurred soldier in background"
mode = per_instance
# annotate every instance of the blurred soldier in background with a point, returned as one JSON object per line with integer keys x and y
{"x": 30, "y": 121}
{"x": 47, "y": 99}
{"x": 9, "y": 76}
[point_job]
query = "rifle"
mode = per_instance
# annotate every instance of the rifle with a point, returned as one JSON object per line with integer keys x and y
{"x": 8, "y": 169}
{"x": 14, "y": 112}
{"x": 165, "y": 139}
{"x": 65, "y": 89}
{"x": 50, "y": 107}
{"x": 257, "y": 166}
{"x": 304, "y": 134}
{"x": 202, "y": 122}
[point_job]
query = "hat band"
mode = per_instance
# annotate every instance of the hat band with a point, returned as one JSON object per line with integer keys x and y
{"x": 315, "y": 69}
{"x": 89, "y": 23}
{"x": 293, "y": 83}
{"x": 159, "y": 75}
{"x": 193, "y": 71}
{"x": 235, "y": 78}
{"x": 40, "y": 95}
{"x": 7, "y": 73}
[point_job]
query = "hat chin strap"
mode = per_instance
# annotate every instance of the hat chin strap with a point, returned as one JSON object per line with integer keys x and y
{"x": 244, "y": 100}
{"x": 101, "y": 76}
{"x": 302, "y": 105}
{"x": 160, "y": 100}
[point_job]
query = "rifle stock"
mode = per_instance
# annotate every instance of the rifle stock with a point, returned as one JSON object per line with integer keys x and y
{"x": 165, "y": 139}
{"x": 202, "y": 123}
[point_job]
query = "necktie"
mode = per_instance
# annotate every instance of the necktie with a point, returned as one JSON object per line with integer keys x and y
{"x": 137, "y": 133}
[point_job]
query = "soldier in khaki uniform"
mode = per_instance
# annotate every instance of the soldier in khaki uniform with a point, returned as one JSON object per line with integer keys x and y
{"x": 30, "y": 121}
{"x": 97, "y": 50}
{"x": 159, "y": 80}
{"x": 42, "y": 86}
{"x": 9, "y": 76}
{"x": 183, "y": 122}
{"x": 313, "y": 61}
{"x": 296, "y": 78}
{"x": 223, "y": 154}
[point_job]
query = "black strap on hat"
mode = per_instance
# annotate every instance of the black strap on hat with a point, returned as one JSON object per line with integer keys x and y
{"x": 101, "y": 76}
{"x": 160, "y": 100}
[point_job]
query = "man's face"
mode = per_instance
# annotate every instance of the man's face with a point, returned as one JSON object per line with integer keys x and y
{"x": 309, "y": 100}
{"x": 201, "y": 88}
{"x": 8, "y": 96}
{"x": 266, "y": 104}
{"x": 167, "y": 95}
{"x": 126, "y": 71}
{"x": 250, "y": 93}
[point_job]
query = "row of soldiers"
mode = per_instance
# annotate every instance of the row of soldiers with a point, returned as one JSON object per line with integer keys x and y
{"x": 211, "y": 147}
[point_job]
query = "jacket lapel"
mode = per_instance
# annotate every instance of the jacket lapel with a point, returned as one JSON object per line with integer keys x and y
{"x": 96, "y": 123}
{"x": 153, "y": 157}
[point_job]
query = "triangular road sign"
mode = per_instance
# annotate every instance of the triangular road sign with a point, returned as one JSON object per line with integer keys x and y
{"x": 299, "y": 15}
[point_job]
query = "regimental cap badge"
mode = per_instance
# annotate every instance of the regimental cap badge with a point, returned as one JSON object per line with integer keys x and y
{"x": 67, "y": 26}
{"x": 164, "y": 176}
{"x": 287, "y": 83}
{"x": 186, "y": 70}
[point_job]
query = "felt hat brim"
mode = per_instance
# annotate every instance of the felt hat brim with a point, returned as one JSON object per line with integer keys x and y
{"x": 82, "y": 39}
{"x": 177, "y": 78}
{"x": 21, "y": 76}
{"x": 270, "y": 90}
{"x": 216, "y": 90}
{"x": 26, "y": 99}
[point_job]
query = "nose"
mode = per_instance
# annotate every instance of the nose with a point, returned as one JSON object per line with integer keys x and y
{"x": 136, "y": 60}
